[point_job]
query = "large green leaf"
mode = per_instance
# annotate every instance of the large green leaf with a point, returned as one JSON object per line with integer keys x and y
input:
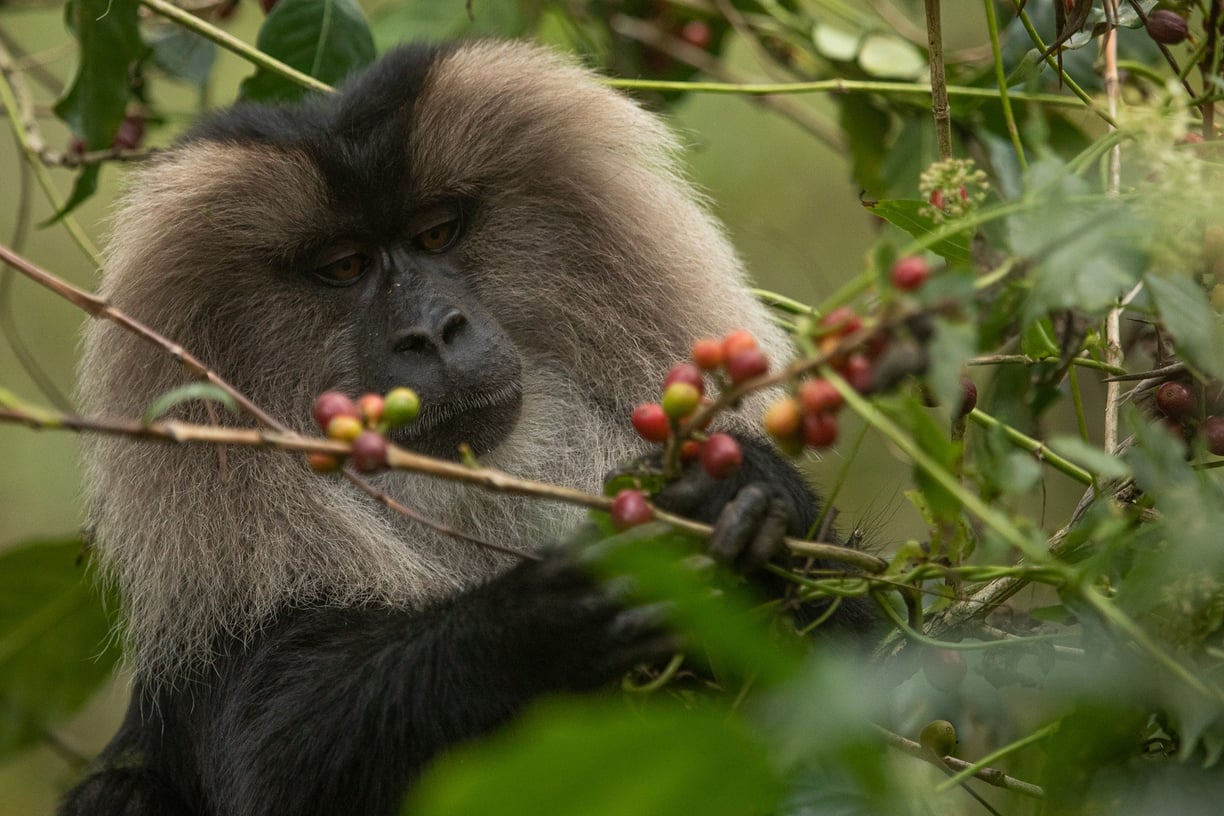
{"x": 326, "y": 39}
{"x": 55, "y": 649}
{"x": 1185, "y": 311}
{"x": 599, "y": 758}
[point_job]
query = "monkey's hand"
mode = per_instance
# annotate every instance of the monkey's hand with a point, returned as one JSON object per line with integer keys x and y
{"x": 752, "y": 511}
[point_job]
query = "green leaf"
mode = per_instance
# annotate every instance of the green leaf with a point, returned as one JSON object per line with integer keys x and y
{"x": 654, "y": 556}
{"x": 96, "y": 100}
{"x": 55, "y": 645}
{"x": 186, "y": 393}
{"x": 866, "y": 126}
{"x": 1185, "y": 310}
{"x": 1091, "y": 458}
{"x": 911, "y": 216}
{"x": 598, "y": 758}
{"x": 181, "y": 53}
{"x": 326, "y": 39}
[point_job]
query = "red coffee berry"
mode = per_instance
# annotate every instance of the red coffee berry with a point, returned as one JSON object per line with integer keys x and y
{"x": 746, "y": 364}
{"x": 735, "y": 342}
{"x": 331, "y": 404}
{"x": 370, "y": 406}
{"x": 708, "y": 354}
{"x": 1212, "y": 431}
{"x": 819, "y": 395}
{"x": 937, "y": 199}
{"x": 721, "y": 455}
{"x": 819, "y": 430}
{"x": 690, "y": 449}
{"x": 783, "y": 419}
{"x": 267, "y": 5}
{"x": 910, "y": 272}
{"x": 857, "y": 371}
{"x": 1175, "y": 400}
{"x": 697, "y": 33}
{"x": 841, "y": 321}
{"x": 685, "y": 373}
{"x": 629, "y": 509}
{"x": 369, "y": 452}
{"x": 680, "y": 400}
{"x": 944, "y": 669}
{"x": 650, "y": 422}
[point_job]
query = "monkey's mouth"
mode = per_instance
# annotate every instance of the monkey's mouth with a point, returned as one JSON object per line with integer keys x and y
{"x": 481, "y": 420}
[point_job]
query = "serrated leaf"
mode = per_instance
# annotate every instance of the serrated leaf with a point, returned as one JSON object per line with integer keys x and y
{"x": 326, "y": 39}
{"x": 1185, "y": 310}
{"x": 598, "y": 758}
{"x": 954, "y": 343}
{"x": 911, "y": 216}
{"x": 186, "y": 393}
{"x": 55, "y": 645}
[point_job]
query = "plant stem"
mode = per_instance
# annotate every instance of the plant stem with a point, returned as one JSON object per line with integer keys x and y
{"x": 939, "y": 82}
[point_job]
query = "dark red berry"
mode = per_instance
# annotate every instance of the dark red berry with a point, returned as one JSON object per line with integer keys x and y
{"x": 819, "y": 430}
{"x": 323, "y": 462}
{"x": 910, "y": 272}
{"x": 944, "y": 669}
{"x": 937, "y": 199}
{"x": 841, "y": 321}
{"x": 685, "y": 373}
{"x": 968, "y": 397}
{"x": 1167, "y": 27}
{"x": 629, "y": 509}
{"x": 1212, "y": 431}
{"x": 690, "y": 449}
{"x": 747, "y": 364}
{"x": 130, "y": 133}
{"x": 369, "y": 452}
{"x": 819, "y": 395}
{"x": 267, "y": 5}
{"x": 1175, "y": 400}
{"x": 857, "y": 371}
{"x": 331, "y": 404}
{"x": 708, "y": 353}
{"x": 697, "y": 33}
{"x": 76, "y": 145}
{"x": 721, "y": 455}
{"x": 650, "y": 422}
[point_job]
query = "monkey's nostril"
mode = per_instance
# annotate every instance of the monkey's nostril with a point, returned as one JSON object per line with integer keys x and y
{"x": 413, "y": 342}
{"x": 454, "y": 323}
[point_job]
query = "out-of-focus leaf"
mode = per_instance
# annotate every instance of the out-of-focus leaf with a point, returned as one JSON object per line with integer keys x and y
{"x": 597, "y": 757}
{"x": 884, "y": 55}
{"x": 440, "y": 20}
{"x": 55, "y": 649}
{"x": 1185, "y": 311}
{"x": 953, "y": 344}
{"x": 911, "y": 216}
{"x": 187, "y": 393}
{"x": 326, "y": 39}
{"x": 181, "y": 53}
{"x": 835, "y": 43}
{"x": 866, "y": 126}
{"x": 1091, "y": 458}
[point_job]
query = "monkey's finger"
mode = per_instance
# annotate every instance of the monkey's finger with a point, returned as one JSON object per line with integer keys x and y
{"x": 737, "y": 524}
{"x": 640, "y": 622}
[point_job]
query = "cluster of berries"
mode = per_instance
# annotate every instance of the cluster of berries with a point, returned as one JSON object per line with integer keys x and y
{"x": 364, "y": 424}
{"x": 731, "y": 360}
{"x": 1190, "y": 409}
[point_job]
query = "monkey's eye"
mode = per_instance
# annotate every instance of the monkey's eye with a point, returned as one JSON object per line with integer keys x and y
{"x": 439, "y": 237}
{"x": 343, "y": 271}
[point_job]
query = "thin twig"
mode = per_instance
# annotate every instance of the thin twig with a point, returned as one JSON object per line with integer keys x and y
{"x": 991, "y": 776}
